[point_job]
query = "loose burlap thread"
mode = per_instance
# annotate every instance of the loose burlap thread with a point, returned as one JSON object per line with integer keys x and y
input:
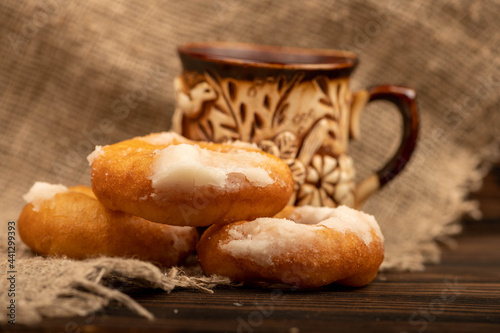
{"x": 66, "y": 288}
{"x": 77, "y": 74}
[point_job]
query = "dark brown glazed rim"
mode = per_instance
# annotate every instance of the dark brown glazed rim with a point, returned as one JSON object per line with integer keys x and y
{"x": 250, "y": 61}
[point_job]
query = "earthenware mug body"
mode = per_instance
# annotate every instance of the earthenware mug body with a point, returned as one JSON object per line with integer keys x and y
{"x": 293, "y": 103}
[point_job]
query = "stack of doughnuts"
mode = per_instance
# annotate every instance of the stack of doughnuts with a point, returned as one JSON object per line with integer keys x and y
{"x": 150, "y": 193}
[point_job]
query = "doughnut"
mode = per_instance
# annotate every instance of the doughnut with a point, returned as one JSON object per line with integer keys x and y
{"x": 60, "y": 221}
{"x": 305, "y": 247}
{"x": 167, "y": 178}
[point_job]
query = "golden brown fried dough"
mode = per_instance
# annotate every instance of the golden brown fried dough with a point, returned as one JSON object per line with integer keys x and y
{"x": 323, "y": 245}
{"x": 167, "y": 178}
{"x": 71, "y": 222}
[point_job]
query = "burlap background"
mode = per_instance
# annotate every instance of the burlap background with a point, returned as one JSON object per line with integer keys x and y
{"x": 67, "y": 67}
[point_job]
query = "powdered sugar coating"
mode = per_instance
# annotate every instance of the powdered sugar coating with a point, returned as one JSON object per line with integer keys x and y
{"x": 263, "y": 239}
{"x": 340, "y": 219}
{"x": 190, "y": 166}
{"x": 242, "y": 144}
{"x": 164, "y": 138}
{"x": 41, "y": 191}
{"x": 180, "y": 236}
{"x": 96, "y": 153}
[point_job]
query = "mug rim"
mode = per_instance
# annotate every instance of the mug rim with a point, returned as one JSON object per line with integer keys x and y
{"x": 332, "y": 59}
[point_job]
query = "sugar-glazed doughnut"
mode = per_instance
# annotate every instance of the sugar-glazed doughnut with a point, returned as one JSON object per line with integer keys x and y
{"x": 167, "y": 178}
{"x": 60, "y": 221}
{"x": 302, "y": 246}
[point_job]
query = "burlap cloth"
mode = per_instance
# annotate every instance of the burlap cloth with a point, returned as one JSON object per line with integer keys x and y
{"x": 67, "y": 66}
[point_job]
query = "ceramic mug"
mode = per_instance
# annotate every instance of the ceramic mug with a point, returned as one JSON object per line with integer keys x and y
{"x": 293, "y": 103}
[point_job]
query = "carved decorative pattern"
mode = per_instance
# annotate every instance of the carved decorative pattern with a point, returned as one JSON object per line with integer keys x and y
{"x": 306, "y": 123}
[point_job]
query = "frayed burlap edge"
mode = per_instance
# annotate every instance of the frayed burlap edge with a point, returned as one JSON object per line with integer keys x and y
{"x": 58, "y": 287}
{"x": 413, "y": 258}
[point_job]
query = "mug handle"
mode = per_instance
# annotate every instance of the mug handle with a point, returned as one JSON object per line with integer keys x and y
{"x": 405, "y": 100}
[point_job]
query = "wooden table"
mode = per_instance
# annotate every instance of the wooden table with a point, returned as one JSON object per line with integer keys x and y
{"x": 462, "y": 294}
